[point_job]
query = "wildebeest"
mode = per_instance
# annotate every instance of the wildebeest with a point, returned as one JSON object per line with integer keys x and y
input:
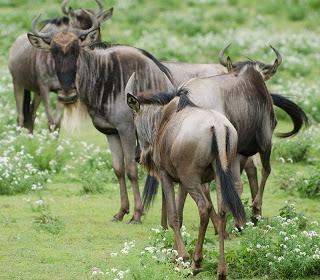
{"x": 98, "y": 78}
{"x": 242, "y": 96}
{"x": 214, "y": 93}
{"x": 189, "y": 145}
{"x": 33, "y": 70}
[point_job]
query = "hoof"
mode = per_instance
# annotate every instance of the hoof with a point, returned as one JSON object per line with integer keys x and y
{"x": 226, "y": 236}
{"x": 196, "y": 271}
{"x": 115, "y": 219}
{"x": 222, "y": 276}
{"x": 135, "y": 222}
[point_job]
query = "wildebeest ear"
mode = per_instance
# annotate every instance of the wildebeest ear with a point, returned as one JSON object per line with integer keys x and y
{"x": 39, "y": 42}
{"x": 105, "y": 15}
{"x": 90, "y": 38}
{"x": 131, "y": 85}
{"x": 229, "y": 64}
{"x": 133, "y": 102}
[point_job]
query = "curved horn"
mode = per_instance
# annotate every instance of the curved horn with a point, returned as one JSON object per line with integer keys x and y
{"x": 64, "y": 6}
{"x": 278, "y": 60}
{"x": 222, "y": 59}
{"x": 37, "y": 32}
{"x": 100, "y": 6}
{"x": 95, "y": 25}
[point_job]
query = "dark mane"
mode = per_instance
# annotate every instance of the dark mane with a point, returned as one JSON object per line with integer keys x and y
{"x": 161, "y": 98}
{"x": 101, "y": 45}
{"x": 106, "y": 45}
{"x": 58, "y": 21}
{"x": 163, "y": 68}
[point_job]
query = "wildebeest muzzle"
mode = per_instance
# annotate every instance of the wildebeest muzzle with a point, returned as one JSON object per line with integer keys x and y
{"x": 69, "y": 97}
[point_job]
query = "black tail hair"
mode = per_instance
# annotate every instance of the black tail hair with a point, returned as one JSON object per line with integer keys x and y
{"x": 229, "y": 193}
{"x": 297, "y": 115}
{"x": 26, "y": 108}
{"x": 149, "y": 192}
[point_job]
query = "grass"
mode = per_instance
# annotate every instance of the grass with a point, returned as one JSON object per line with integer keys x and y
{"x": 79, "y": 236}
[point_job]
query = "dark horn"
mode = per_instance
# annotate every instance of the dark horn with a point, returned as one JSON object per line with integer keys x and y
{"x": 279, "y": 57}
{"x": 64, "y": 6}
{"x": 222, "y": 59}
{"x": 95, "y": 25}
{"x": 100, "y": 6}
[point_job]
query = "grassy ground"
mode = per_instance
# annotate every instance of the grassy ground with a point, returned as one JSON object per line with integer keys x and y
{"x": 191, "y": 31}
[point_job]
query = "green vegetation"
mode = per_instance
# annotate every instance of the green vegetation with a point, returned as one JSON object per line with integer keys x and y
{"x": 58, "y": 194}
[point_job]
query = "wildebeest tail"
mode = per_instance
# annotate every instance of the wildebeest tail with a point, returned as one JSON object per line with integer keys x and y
{"x": 223, "y": 173}
{"x": 297, "y": 115}
{"x": 26, "y": 108}
{"x": 149, "y": 192}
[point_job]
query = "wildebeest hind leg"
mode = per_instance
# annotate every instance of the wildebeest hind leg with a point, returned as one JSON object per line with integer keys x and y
{"x": 167, "y": 186}
{"x": 204, "y": 208}
{"x": 34, "y": 107}
{"x": 180, "y": 201}
{"x": 235, "y": 170}
{"x": 222, "y": 267}
{"x": 164, "y": 215}
{"x": 266, "y": 170}
{"x": 19, "y": 97}
{"x": 213, "y": 214}
{"x": 119, "y": 170}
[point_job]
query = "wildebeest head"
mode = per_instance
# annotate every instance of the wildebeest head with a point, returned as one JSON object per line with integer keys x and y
{"x": 65, "y": 47}
{"x": 147, "y": 114}
{"x": 80, "y": 17}
{"x": 266, "y": 70}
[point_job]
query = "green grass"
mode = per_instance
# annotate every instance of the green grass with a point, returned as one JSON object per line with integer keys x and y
{"x": 192, "y": 31}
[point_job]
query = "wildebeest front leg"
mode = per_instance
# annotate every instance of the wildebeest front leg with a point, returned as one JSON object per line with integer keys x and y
{"x": 128, "y": 143}
{"x": 266, "y": 170}
{"x": 58, "y": 118}
{"x": 252, "y": 174}
{"x": 119, "y": 170}
{"x": 167, "y": 186}
{"x": 44, "y": 92}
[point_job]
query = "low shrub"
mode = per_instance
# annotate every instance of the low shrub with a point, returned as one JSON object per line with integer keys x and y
{"x": 309, "y": 186}
{"x": 96, "y": 172}
{"x": 278, "y": 248}
{"x": 293, "y": 149}
{"x": 286, "y": 246}
{"x": 46, "y": 221}
{"x": 26, "y": 160}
